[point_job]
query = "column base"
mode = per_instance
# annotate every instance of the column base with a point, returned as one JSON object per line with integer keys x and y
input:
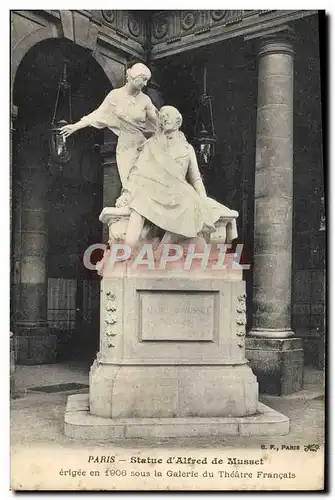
{"x": 277, "y": 363}
{"x": 268, "y": 333}
{"x": 79, "y": 423}
{"x": 35, "y": 345}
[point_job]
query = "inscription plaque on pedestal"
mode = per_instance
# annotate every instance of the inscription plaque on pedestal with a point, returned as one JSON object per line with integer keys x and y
{"x": 177, "y": 316}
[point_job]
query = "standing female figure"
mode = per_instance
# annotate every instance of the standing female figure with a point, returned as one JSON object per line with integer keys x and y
{"x": 129, "y": 113}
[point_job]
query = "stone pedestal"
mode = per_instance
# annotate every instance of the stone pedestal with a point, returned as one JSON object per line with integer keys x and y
{"x": 172, "y": 353}
{"x": 81, "y": 424}
{"x": 171, "y": 346}
{"x": 277, "y": 363}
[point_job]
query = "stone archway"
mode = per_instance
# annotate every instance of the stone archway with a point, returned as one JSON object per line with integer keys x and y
{"x": 25, "y": 44}
{"x": 35, "y": 232}
{"x": 51, "y": 32}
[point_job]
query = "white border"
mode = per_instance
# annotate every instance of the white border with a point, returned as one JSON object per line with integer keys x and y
{"x": 4, "y": 184}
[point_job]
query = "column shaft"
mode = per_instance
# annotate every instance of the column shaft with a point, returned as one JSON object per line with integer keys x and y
{"x": 35, "y": 344}
{"x": 273, "y": 192}
{"x": 276, "y": 360}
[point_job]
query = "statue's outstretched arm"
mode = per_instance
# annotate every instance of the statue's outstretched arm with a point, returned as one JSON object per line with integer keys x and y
{"x": 98, "y": 118}
{"x": 69, "y": 129}
{"x": 102, "y": 116}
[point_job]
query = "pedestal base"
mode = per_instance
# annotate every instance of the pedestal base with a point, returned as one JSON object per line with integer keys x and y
{"x": 172, "y": 391}
{"x": 277, "y": 363}
{"x": 80, "y": 424}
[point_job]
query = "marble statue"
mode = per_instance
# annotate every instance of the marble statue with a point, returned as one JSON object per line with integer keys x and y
{"x": 161, "y": 183}
{"x": 129, "y": 113}
{"x": 171, "y": 360}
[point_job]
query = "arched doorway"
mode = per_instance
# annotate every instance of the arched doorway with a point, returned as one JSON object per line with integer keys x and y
{"x": 55, "y": 300}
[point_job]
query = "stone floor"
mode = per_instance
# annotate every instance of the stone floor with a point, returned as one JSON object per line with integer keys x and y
{"x": 40, "y": 452}
{"x": 37, "y": 417}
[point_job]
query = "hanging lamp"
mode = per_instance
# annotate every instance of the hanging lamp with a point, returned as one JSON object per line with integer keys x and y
{"x": 204, "y": 133}
{"x": 60, "y": 146}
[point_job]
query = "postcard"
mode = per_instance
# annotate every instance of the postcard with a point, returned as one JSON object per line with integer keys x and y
{"x": 168, "y": 239}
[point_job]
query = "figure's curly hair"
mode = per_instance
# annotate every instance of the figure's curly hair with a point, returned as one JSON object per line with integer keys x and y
{"x": 138, "y": 69}
{"x": 174, "y": 111}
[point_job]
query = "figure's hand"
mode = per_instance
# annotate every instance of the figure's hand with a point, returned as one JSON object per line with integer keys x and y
{"x": 67, "y": 130}
{"x": 123, "y": 200}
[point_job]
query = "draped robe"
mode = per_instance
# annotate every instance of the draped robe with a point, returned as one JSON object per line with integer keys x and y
{"x": 126, "y": 116}
{"x": 162, "y": 187}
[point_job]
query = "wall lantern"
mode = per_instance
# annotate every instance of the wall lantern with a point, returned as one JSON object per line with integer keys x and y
{"x": 204, "y": 133}
{"x": 60, "y": 147}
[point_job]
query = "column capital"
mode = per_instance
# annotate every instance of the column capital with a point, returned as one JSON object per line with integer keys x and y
{"x": 277, "y": 44}
{"x": 278, "y": 40}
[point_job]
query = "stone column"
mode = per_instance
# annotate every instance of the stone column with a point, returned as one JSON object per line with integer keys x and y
{"x": 35, "y": 344}
{"x": 272, "y": 264}
{"x": 273, "y": 191}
